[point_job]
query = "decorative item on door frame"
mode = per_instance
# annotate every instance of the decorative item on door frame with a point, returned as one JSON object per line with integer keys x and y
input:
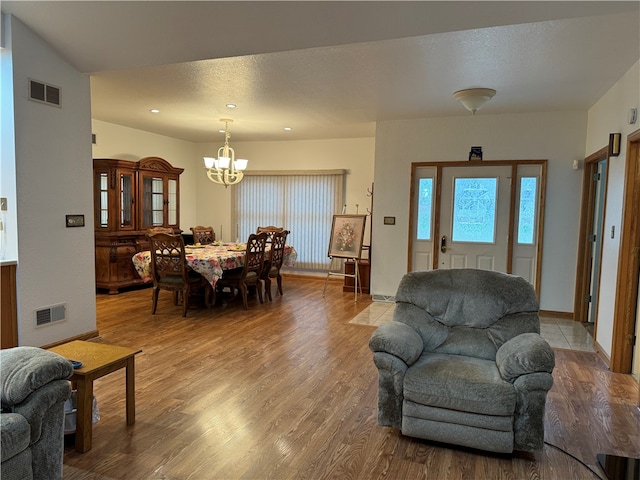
{"x": 614, "y": 144}
{"x": 347, "y": 234}
{"x": 225, "y": 170}
{"x": 475, "y": 153}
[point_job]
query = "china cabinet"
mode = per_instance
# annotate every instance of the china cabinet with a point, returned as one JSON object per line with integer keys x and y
{"x": 129, "y": 198}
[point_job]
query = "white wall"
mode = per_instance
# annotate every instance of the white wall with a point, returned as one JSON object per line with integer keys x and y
{"x": 354, "y": 154}
{"x": 556, "y": 136}
{"x": 609, "y": 115}
{"x": 115, "y": 141}
{"x": 53, "y": 178}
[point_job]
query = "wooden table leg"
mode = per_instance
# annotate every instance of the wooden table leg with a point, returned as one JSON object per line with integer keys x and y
{"x": 84, "y": 414}
{"x": 131, "y": 391}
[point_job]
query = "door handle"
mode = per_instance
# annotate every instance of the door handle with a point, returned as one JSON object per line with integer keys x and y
{"x": 443, "y": 244}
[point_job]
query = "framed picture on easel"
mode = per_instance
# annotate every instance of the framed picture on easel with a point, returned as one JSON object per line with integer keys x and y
{"x": 347, "y": 234}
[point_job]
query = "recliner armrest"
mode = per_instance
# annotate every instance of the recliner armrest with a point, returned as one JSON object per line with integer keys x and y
{"x": 26, "y": 369}
{"x": 399, "y": 340}
{"x": 524, "y": 354}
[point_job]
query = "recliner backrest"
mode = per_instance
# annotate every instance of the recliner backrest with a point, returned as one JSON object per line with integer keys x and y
{"x": 466, "y": 311}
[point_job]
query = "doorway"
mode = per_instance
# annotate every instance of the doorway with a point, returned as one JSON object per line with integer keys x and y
{"x": 485, "y": 215}
{"x": 593, "y": 206}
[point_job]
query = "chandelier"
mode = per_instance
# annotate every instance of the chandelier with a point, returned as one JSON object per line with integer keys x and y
{"x": 225, "y": 170}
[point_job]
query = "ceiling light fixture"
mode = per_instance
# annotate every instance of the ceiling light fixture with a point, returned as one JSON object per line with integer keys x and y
{"x": 231, "y": 105}
{"x": 154, "y": 110}
{"x": 225, "y": 170}
{"x": 473, "y": 99}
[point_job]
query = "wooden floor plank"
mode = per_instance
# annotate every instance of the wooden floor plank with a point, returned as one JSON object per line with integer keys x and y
{"x": 288, "y": 390}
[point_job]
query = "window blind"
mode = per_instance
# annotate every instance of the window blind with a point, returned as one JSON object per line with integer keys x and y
{"x": 302, "y": 203}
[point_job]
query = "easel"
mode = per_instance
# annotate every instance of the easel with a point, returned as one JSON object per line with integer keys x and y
{"x": 355, "y": 276}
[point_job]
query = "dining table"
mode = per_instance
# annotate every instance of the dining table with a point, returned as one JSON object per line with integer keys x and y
{"x": 210, "y": 260}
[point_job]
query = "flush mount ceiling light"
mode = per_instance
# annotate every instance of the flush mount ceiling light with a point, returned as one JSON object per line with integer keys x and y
{"x": 473, "y": 99}
{"x": 225, "y": 170}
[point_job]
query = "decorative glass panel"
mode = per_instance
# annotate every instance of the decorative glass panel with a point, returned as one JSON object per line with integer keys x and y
{"x": 153, "y": 201}
{"x": 425, "y": 204}
{"x": 173, "y": 193}
{"x": 474, "y": 210}
{"x": 126, "y": 192}
{"x": 527, "y": 210}
{"x": 104, "y": 200}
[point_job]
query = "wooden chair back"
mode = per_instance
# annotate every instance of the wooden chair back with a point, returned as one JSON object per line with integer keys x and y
{"x": 168, "y": 259}
{"x": 251, "y": 273}
{"x": 270, "y": 231}
{"x": 276, "y": 254}
{"x": 274, "y": 262}
{"x": 203, "y": 235}
{"x": 254, "y": 256}
{"x": 170, "y": 271}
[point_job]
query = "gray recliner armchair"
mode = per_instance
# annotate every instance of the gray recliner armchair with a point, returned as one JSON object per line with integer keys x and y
{"x": 34, "y": 389}
{"x": 463, "y": 363}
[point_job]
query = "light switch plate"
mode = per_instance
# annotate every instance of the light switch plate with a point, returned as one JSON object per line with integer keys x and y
{"x": 3, "y": 204}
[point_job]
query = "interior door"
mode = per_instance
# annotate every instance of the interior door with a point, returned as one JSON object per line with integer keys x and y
{"x": 474, "y": 217}
{"x": 596, "y": 239}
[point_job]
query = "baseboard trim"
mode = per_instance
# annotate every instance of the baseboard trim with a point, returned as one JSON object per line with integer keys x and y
{"x": 555, "y": 314}
{"x": 83, "y": 336}
{"x": 601, "y": 354}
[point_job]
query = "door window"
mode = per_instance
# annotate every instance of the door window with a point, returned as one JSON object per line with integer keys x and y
{"x": 474, "y": 210}
{"x": 425, "y": 207}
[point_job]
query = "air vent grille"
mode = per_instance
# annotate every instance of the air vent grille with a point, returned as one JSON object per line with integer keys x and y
{"x": 44, "y": 93}
{"x": 384, "y": 298}
{"x": 51, "y": 314}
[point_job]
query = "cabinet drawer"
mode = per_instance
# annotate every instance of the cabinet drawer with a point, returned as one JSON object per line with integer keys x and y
{"x": 125, "y": 270}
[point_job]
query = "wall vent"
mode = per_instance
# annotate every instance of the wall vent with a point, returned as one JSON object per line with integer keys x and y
{"x": 44, "y": 93}
{"x": 51, "y": 314}
{"x": 384, "y": 298}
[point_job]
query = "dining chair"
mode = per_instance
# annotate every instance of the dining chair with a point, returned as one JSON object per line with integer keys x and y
{"x": 203, "y": 235}
{"x": 270, "y": 231}
{"x": 274, "y": 262}
{"x": 170, "y": 271}
{"x": 250, "y": 274}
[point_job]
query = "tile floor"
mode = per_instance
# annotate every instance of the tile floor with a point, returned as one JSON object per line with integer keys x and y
{"x": 560, "y": 333}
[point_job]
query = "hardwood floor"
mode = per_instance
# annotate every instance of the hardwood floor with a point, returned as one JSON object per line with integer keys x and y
{"x": 288, "y": 390}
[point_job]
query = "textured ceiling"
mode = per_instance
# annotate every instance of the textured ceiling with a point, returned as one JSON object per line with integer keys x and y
{"x": 331, "y": 69}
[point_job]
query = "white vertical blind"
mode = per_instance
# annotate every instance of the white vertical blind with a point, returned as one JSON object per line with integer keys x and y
{"x": 302, "y": 203}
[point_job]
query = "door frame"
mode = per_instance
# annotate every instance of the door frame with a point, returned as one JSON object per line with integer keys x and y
{"x": 587, "y": 207}
{"x": 480, "y": 163}
{"x": 628, "y": 263}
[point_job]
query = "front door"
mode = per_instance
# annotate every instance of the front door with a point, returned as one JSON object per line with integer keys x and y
{"x": 483, "y": 216}
{"x": 474, "y": 218}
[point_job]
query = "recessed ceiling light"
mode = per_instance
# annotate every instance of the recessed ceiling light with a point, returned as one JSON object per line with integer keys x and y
{"x": 288, "y": 129}
{"x": 154, "y": 110}
{"x": 231, "y": 105}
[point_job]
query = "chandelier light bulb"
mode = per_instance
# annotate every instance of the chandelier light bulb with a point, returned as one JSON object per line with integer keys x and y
{"x": 225, "y": 170}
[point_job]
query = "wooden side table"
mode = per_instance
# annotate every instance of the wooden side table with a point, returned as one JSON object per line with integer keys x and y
{"x": 98, "y": 360}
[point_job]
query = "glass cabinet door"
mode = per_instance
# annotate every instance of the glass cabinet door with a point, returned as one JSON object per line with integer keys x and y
{"x": 126, "y": 220}
{"x": 152, "y": 201}
{"x": 102, "y": 200}
{"x": 172, "y": 202}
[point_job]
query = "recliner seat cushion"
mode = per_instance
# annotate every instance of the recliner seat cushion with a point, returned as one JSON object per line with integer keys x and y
{"x": 458, "y": 382}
